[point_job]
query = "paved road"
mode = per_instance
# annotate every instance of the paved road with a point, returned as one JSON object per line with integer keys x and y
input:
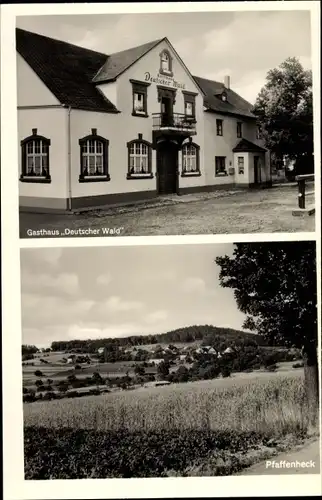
{"x": 308, "y": 453}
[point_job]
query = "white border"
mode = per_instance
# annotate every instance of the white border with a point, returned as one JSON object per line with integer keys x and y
{"x": 15, "y": 488}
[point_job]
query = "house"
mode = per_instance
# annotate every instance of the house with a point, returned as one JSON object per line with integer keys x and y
{"x": 97, "y": 129}
{"x": 156, "y": 361}
{"x": 101, "y": 350}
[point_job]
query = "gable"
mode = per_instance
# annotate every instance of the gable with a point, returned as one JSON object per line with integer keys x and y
{"x": 147, "y": 69}
{"x": 31, "y": 91}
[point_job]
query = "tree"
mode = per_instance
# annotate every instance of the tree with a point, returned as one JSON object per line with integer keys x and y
{"x": 139, "y": 370}
{"x": 38, "y": 373}
{"x": 275, "y": 286}
{"x": 163, "y": 369}
{"x": 285, "y": 113}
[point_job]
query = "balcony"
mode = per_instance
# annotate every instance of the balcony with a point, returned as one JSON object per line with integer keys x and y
{"x": 177, "y": 124}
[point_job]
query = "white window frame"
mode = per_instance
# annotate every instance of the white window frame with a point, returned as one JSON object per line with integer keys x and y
{"x": 33, "y": 155}
{"x": 190, "y": 159}
{"x": 139, "y": 151}
{"x": 241, "y": 165}
{"x": 93, "y": 152}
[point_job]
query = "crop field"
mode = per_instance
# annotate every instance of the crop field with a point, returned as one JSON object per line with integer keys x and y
{"x": 164, "y": 431}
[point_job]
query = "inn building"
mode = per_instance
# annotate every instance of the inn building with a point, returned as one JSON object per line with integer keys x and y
{"x": 97, "y": 129}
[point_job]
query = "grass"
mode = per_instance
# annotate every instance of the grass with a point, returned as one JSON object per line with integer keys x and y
{"x": 257, "y": 211}
{"x": 166, "y": 431}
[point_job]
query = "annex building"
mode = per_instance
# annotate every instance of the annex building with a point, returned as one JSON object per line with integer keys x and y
{"x": 97, "y": 129}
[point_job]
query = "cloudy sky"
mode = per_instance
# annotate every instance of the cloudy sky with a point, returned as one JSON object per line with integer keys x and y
{"x": 244, "y": 45}
{"x": 80, "y": 293}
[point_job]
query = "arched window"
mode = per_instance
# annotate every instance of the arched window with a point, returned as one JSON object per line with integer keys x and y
{"x": 166, "y": 63}
{"x": 190, "y": 159}
{"x": 139, "y": 159}
{"x": 94, "y": 158}
{"x": 35, "y": 158}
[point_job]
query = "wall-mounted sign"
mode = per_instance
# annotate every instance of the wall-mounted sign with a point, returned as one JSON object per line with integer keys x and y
{"x": 167, "y": 81}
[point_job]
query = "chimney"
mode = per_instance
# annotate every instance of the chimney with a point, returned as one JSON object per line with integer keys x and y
{"x": 227, "y": 81}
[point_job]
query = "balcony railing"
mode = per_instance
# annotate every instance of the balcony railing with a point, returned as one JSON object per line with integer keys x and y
{"x": 175, "y": 122}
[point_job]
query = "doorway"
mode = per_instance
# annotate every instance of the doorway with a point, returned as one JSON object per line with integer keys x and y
{"x": 166, "y": 111}
{"x": 167, "y": 167}
{"x": 257, "y": 171}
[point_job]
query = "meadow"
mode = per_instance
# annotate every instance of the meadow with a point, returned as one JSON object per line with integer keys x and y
{"x": 213, "y": 427}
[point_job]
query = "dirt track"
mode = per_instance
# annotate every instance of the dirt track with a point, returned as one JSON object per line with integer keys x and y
{"x": 308, "y": 453}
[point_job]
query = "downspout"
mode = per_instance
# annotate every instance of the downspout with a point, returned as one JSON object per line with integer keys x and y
{"x": 69, "y": 164}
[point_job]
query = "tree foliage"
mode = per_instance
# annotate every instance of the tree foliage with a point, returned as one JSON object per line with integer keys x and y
{"x": 275, "y": 285}
{"x": 284, "y": 108}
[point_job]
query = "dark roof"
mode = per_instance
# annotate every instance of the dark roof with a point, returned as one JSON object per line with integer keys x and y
{"x": 67, "y": 70}
{"x": 117, "y": 63}
{"x": 71, "y": 74}
{"x": 234, "y": 105}
{"x": 245, "y": 146}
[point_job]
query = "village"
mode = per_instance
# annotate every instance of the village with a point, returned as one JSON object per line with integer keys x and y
{"x": 50, "y": 374}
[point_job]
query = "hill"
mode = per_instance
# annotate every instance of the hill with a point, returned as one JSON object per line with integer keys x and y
{"x": 208, "y": 334}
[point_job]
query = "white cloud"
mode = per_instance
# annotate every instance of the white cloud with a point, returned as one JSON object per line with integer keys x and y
{"x": 116, "y": 304}
{"x": 193, "y": 285}
{"x": 66, "y": 283}
{"x": 156, "y": 317}
{"x": 104, "y": 279}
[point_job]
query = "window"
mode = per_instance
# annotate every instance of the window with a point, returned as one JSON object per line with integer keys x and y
{"x": 140, "y": 98}
{"x": 239, "y": 129}
{"x": 189, "y": 104}
{"x": 35, "y": 158}
{"x": 190, "y": 159}
{"x": 94, "y": 158}
{"x": 140, "y": 159}
{"x": 219, "y": 127}
{"x": 221, "y": 165}
{"x": 240, "y": 163}
{"x": 259, "y": 132}
{"x": 166, "y": 63}
{"x": 224, "y": 96}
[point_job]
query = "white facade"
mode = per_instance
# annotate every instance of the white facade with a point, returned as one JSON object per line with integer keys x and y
{"x": 40, "y": 114}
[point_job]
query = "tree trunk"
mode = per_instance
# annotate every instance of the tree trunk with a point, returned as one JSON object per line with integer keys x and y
{"x": 311, "y": 380}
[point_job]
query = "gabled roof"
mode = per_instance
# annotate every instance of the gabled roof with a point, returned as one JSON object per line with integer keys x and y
{"x": 245, "y": 146}
{"x": 119, "y": 62}
{"x": 67, "y": 70}
{"x": 234, "y": 105}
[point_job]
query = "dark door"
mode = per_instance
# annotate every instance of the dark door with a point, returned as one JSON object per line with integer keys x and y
{"x": 257, "y": 172}
{"x": 167, "y": 166}
{"x": 166, "y": 111}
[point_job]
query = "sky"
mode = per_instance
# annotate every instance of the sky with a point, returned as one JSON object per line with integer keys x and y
{"x": 100, "y": 292}
{"x": 243, "y": 45}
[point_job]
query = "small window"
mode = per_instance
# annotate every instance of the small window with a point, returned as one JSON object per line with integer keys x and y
{"x": 240, "y": 163}
{"x": 239, "y": 129}
{"x": 189, "y": 104}
{"x": 219, "y": 127}
{"x": 94, "y": 159}
{"x": 224, "y": 96}
{"x": 259, "y": 134}
{"x": 35, "y": 159}
{"x": 140, "y": 98}
{"x": 221, "y": 165}
{"x": 190, "y": 159}
{"x": 140, "y": 159}
{"x": 166, "y": 63}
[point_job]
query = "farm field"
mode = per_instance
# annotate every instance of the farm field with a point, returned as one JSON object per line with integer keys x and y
{"x": 218, "y": 427}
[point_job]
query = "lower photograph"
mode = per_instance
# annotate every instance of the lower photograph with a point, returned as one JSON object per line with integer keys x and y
{"x": 170, "y": 360}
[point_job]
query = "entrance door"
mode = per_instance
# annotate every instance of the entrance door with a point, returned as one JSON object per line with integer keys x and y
{"x": 167, "y": 167}
{"x": 166, "y": 111}
{"x": 257, "y": 170}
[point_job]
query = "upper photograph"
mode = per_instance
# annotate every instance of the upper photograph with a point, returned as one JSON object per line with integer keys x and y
{"x": 165, "y": 124}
